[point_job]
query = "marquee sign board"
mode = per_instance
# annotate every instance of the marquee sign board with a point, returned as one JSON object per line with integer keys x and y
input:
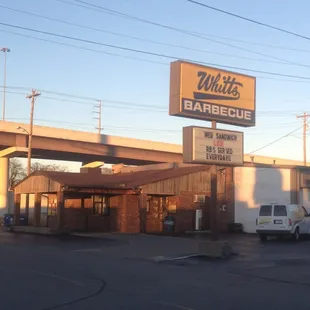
{"x": 212, "y": 94}
{"x": 212, "y": 146}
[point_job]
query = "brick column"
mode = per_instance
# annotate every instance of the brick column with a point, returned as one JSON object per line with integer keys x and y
{"x": 37, "y": 210}
{"x": 60, "y": 210}
{"x": 27, "y": 205}
{"x": 17, "y": 209}
{"x": 130, "y": 214}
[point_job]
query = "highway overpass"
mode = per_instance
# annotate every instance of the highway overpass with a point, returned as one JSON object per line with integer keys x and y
{"x": 71, "y": 145}
{"x": 80, "y": 146}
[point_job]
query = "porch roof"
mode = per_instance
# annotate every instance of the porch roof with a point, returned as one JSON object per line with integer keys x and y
{"x": 130, "y": 180}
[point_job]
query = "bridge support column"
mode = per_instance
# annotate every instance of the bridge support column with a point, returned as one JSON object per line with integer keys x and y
{"x": 4, "y": 185}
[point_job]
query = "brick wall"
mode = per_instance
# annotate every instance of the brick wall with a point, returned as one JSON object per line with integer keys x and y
{"x": 129, "y": 215}
{"x": 124, "y": 216}
{"x": 185, "y": 212}
{"x": 154, "y": 215}
{"x": 99, "y": 223}
{"x": 76, "y": 219}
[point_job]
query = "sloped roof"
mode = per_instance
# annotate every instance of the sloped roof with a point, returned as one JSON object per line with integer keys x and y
{"x": 119, "y": 180}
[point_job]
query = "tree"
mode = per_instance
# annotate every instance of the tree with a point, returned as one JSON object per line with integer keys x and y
{"x": 40, "y": 167}
{"x": 18, "y": 171}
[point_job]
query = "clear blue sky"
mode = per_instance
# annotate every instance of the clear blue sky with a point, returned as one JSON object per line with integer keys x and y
{"x": 47, "y": 66}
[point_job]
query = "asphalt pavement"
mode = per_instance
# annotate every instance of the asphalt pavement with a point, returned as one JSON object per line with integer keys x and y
{"x": 119, "y": 272}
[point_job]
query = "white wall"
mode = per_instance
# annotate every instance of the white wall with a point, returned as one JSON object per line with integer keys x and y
{"x": 304, "y": 196}
{"x": 4, "y": 184}
{"x": 255, "y": 186}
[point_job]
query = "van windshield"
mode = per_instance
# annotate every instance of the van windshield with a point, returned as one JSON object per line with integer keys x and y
{"x": 279, "y": 210}
{"x": 265, "y": 210}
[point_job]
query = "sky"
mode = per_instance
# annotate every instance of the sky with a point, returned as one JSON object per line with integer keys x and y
{"x": 134, "y": 87}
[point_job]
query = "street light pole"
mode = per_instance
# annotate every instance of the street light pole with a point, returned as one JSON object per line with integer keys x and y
{"x": 4, "y": 50}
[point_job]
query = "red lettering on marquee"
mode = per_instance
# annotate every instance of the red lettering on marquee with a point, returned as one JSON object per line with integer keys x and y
{"x": 218, "y": 143}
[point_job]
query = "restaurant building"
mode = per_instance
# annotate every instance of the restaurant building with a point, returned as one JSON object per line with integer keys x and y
{"x": 134, "y": 200}
{"x": 137, "y": 199}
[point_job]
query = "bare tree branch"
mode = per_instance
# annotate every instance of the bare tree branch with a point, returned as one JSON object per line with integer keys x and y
{"x": 18, "y": 171}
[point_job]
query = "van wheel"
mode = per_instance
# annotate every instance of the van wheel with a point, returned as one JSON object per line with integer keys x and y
{"x": 296, "y": 235}
{"x": 263, "y": 238}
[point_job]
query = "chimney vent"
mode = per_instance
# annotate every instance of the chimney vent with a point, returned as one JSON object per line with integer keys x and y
{"x": 95, "y": 171}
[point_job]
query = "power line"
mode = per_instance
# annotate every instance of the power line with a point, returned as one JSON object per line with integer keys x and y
{"x": 249, "y": 20}
{"x": 273, "y": 142}
{"x": 150, "y": 53}
{"x": 130, "y": 105}
{"x": 101, "y": 9}
{"x": 122, "y": 128}
{"x": 85, "y": 48}
{"x": 130, "y": 57}
{"x": 120, "y": 14}
{"x": 117, "y": 13}
{"x": 135, "y": 38}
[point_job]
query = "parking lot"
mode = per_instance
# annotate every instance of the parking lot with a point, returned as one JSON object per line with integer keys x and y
{"x": 120, "y": 272}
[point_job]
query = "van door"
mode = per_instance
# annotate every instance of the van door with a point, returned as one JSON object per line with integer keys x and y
{"x": 265, "y": 217}
{"x": 305, "y": 224}
{"x": 280, "y": 219}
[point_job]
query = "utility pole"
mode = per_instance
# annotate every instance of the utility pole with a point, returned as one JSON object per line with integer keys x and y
{"x": 99, "y": 112}
{"x": 32, "y": 96}
{"x": 5, "y": 50}
{"x": 305, "y": 127}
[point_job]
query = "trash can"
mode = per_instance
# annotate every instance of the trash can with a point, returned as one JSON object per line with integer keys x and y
{"x": 169, "y": 224}
{"x": 23, "y": 220}
{"x": 7, "y": 220}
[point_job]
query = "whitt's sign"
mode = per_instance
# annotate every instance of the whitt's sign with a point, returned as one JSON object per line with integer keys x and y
{"x": 212, "y": 146}
{"x": 211, "y": 94}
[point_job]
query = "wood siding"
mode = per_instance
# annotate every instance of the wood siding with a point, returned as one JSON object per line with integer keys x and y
{"x": 194, "y": 182}
{"x": 37, "y": 184}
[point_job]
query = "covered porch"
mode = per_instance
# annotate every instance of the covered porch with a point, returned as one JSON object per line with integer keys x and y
{"x": 58, "y": 206}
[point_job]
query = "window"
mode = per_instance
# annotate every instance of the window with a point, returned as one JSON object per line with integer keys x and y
{"x": 265, "y": 210}
{"x": 305, "y": 211}
{"x": 100, "y": 205}
{"x": 279, "y": 210}
{"x": 308, "y": 192}
{"x": 172, "y": 204}
{"x": 52, "y": 207}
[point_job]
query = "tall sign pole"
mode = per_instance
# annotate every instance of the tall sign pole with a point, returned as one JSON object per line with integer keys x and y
{"x": 32, "y": 96}
{"x": 220, "y": 96}
{"x": 214, "y": 213}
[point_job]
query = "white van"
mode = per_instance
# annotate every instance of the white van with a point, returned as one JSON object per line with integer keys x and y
{"x": 280, "y": 220}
